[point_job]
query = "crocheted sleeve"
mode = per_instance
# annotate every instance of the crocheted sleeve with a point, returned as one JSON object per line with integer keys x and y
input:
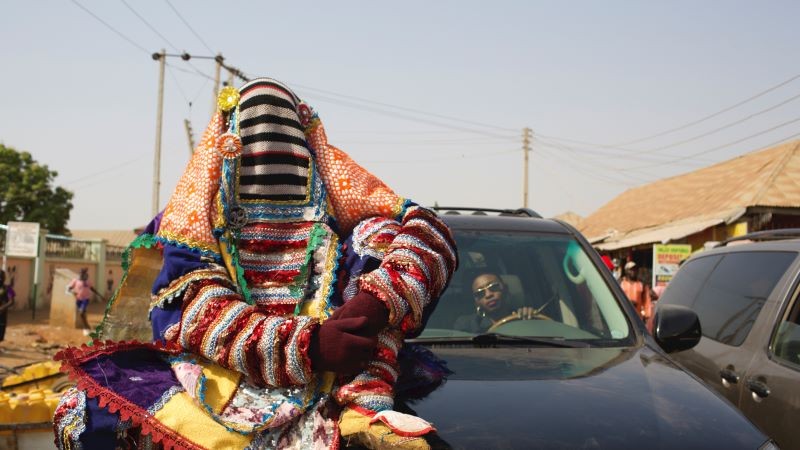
{"x": 202, "y": 312}
{"x": 416, "y": 268}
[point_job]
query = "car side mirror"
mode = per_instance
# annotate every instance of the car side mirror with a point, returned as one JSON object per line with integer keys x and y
{"x": 677, "y": 328}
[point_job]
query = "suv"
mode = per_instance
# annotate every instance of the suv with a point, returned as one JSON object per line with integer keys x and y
{"x": 571, "y": 366}
{"x": 746, "y": 297}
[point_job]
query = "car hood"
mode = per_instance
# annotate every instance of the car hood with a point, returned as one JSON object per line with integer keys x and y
{"x": 576, "y": 398}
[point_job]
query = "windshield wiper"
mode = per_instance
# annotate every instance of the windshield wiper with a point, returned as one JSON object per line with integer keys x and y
{"x": 498, "y": 338}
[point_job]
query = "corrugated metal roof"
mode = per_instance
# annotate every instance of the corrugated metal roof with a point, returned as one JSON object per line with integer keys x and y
{"x": 769, "y": 177}
{"x": 660, "y": 235}
{"x": 118, "y": 238}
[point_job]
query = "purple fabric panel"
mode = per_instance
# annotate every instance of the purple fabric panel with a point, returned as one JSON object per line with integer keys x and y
{"x": 140, "y": 375}
{"x": 177, "y": 262}
{"x": 101, "y": 427}
{"x": 163, "y": 318}
{"x": 154, "y": 225}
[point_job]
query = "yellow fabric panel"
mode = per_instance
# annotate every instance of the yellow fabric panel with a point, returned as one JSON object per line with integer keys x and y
{"x": 220, "y": 385}
{"x": 186, "y": 417}
{"x": 127, "y": 315}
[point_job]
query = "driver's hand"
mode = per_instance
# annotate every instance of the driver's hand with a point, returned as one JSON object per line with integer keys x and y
{"x": 526, "y": 312}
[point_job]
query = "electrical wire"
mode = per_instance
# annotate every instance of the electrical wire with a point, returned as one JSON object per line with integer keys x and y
{"x": 105, "y": 170}
{"x": 726, "y": 126}
{"x": 405, "y": 117}
{"x": 590, "y": 173}
{"x": 403, "y": 108}
{"x": 580, "y": 160}
{"x": 183, "y": 94}
{"x": 118, "y": 33}
{"x": 192, "y": 72}
{"x": 712, "y": 115}
{"x": 189, "y": 27}
{"x": 632, "y": 156}
{"x": 719, "y": 147}
{"x": 152, "y": 28}
{"x": 445, "y": 158}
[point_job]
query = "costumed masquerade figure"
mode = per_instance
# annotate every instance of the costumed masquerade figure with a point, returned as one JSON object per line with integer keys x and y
{"x": 280, "y": 281}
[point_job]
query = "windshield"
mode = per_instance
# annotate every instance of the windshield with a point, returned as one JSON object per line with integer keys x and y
{"x": 525, "y": 284}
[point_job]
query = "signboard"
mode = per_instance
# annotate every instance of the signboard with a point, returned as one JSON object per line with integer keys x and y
{"x": 666, "y": 259}
{"x": 22, "y": 239}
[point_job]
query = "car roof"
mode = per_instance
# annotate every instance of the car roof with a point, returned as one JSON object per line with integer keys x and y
{"x": 747, "y": 246}
{"x": 504, "y": 223}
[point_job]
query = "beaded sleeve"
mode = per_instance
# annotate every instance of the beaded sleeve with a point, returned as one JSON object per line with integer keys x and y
{"x": 215, "y": 322}
{"x": 416, "y": 269}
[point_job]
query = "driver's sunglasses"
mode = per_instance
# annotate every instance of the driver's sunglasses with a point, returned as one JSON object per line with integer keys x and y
{"x": 491, "y": 287}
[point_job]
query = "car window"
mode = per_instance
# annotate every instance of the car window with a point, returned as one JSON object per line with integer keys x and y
{"x": 548, "y": 278}
{"x": 786, "y": 345}
{"x": 684, "y": 287}
{"x": 735, "y": 291}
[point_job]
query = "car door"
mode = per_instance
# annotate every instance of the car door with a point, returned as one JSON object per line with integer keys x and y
{"x": 728, "y": 303}
{"x": 771, "y": 385}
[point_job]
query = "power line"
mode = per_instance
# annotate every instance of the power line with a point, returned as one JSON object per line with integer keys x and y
{"x": 191, "y": 72}
{"x": 171, "y": 74}
{"x": 406, "y": 117}
{"x": 118, "y": 33}
{"x": 152, "y": 28}
{"x": 190, "y": 27}
{"x": 104, "y": 171}
{"x": 461, "y": 141}
{"x": 590, "y": 173}
{"x": 446, "y": 158}
{"x": 712, "y": 115}
{"x": 723, "y": 145}
{"x": 634, "y": 155}
{"x": 579, "y": 160}
{"x": 726, "y": 126}
{"x": 403, "y": 108}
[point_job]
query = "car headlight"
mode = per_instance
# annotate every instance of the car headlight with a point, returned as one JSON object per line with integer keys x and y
{"x": 769, "y": 445}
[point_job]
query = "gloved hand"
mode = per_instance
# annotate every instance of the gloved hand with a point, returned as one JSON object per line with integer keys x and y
{"x": 341, "y": 345}
{"x": 366, "y": 305}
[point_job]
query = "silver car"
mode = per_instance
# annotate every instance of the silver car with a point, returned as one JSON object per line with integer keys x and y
{"x": 746, "y": 298}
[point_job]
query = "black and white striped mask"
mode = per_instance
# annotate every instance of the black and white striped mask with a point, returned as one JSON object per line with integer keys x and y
{"x": 275, "y": 160}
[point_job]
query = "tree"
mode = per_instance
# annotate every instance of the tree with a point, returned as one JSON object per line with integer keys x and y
{"x": 27, "y": 194}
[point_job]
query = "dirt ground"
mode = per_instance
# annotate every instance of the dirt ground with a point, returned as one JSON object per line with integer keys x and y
{"x": 30, "y": 340}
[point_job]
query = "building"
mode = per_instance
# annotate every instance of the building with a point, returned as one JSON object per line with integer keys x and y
{"x": 757, "y": 191}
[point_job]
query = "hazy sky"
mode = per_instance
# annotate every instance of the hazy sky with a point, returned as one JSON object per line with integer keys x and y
{"x": 431, "y": 96}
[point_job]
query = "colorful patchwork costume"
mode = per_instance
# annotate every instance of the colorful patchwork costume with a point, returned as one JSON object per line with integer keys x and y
{"x": 270, "y": 236}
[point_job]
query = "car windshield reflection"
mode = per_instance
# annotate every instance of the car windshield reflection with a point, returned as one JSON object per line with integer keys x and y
{"x": 526, "y": 284}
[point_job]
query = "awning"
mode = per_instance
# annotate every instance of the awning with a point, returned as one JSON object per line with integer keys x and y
{"x": 661, "y": 234}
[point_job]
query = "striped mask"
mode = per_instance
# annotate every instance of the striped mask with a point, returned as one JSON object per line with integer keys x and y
{"x": 275, "y": 161}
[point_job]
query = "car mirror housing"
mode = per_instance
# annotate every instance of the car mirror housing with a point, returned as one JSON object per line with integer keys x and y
{"x": 677, "y": 328}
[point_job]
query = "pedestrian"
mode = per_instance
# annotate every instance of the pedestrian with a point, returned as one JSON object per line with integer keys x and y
{"x": 6, "y": 299}
{"x": 82, "y": 289}
{"x": 637, "y": 292}
{"x": 110, "y": 283}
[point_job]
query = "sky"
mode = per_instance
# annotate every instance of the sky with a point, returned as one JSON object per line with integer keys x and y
{"x": 430, "y": 96}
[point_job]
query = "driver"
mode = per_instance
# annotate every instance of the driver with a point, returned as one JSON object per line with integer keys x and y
{"x": 492, "y": 304}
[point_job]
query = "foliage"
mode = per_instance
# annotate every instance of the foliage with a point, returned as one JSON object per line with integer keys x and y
{"x": 27, "y": 194}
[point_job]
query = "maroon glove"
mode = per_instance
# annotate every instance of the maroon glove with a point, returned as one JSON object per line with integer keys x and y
{"x": 341, "y": 345}
{"x": 365, "y": 305}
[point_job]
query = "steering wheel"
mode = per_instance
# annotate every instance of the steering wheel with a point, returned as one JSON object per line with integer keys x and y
{"x": 514, "y": 316}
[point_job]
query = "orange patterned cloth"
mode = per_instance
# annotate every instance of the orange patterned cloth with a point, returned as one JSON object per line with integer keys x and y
{"x": 189, "y": 216}
{"x": 355, "y": 193}
{"x": 192, "y": 212}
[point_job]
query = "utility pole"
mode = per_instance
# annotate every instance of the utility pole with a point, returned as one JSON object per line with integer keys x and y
{"x": 162, "y": 59}
{"x": 188, "y": 126}
{"x": 219, "y": 60}
{"x": 527, "y": 137}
